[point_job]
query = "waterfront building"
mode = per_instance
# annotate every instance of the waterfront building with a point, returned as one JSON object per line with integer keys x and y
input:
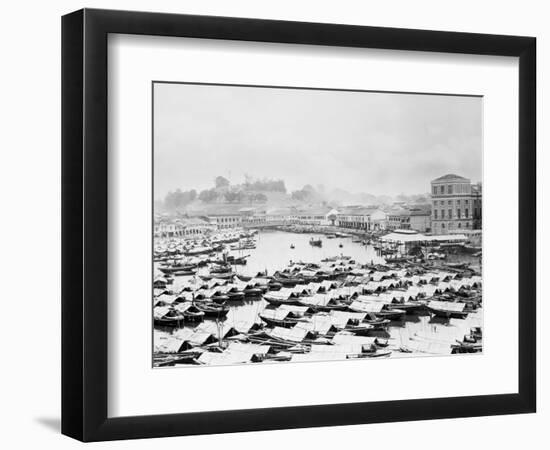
{"x": 165, "y": 228}
{"x": 277, "y": 216}
{"x": 406, "y": 240}
{"x": 361, "y": 218}
{"x": 257, "y": 219}
{"x": 313, "y": 216}
{"x": 378, "y": 220}
{"x": 226, "y": 221}
{"x": 183, "y": 227}
{"x": 222, "y": 216}
{"x": 399, "y": 218}
{"x": 420, "y": 218}
{"x": 253, "y": 217}
{"x": 454, "y": 204}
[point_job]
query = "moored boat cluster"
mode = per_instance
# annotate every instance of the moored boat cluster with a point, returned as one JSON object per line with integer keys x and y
{"x": 335, "y": 309}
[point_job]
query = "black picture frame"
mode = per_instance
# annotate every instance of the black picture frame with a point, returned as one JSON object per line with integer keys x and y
{"x": 84, "y": 224}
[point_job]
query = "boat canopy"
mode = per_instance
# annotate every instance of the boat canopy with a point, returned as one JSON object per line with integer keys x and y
{"x": 160, "y": 311}
{"x": 428, "y": 290}
{"x": 167, "y": 344}
{"x": 182, "y": 307}
{"x": 294, "y": 309}
{"x": 377, "y": 276}
{"x": 443, "y": 286}
{"x": 456, "y": 285}
{"x": 388, "y": 282}
{"x": 412, "y": 292}
{"x": 216, "y": 282}
{"x": 314, "y": 287}
{"x": 447, "y": 306}
{"x": 414, "y": 279}
{"x": 395, "y": 295}
{"x": 257, "y": 349}
{"x": 319, "y": 323}
{"x": 300, "y": 289}
{"x": 288, "y": 334}
{"x": 224, "y": 329}
{"x": 327, "y": 284}
{"x": 316, "y": 300}
{"x": 274, "y": 314}
{"x": 367, "y": 307}
{"x": 194, "y": 337}
{"x": 373, "y": 286}
{"x": 429, "y": 277}
{"x": 236, "y": 353}
{"x": 259, "y": 281}
{"x": 341, "y": 318}
{"x": 354, "y": 290}
{"x": 244, "y": 326}
{"x": 166, "y": 299}
{"x": 282, "y": 294}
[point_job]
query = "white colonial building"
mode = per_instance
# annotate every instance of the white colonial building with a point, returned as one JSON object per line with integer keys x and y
{"x": 360, "y": 218}
{"x": 183, "y": 227}
{"x": 318, "y": 216}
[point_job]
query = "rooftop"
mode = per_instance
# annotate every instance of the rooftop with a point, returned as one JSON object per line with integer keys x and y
{"x": 313, "y": 210}
{"x": 421, "y": 210}
{"x": 357, "y": 211}
{"x": 191, "y": 221}
{"x": 279, "y": 211}
{"x": 450, "y": 177}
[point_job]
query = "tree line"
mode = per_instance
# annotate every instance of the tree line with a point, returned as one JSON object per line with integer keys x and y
{"x": 251, "y": 191}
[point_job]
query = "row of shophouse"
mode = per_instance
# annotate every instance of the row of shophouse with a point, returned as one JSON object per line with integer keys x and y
{"x": 455, "y": 206}
{"x": 352, "y": 218}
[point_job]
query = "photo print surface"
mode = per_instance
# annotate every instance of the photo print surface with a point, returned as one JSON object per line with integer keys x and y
{"x": 300, "y": 225}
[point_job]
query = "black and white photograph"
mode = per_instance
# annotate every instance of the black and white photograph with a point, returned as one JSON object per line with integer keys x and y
{"x": 275, "y": 225}
{"x": 302, "y": 225}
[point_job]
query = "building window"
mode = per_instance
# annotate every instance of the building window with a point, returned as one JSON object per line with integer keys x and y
{"x": 442, "y": 225}
{"x": 450, "y": 189}
{"x": 450, "y": 213}
{"x": 466, "y": 212}
{"x": 458, "y": 212}
{"x": 450, "y": 202}
{"x": 442, "y": 189}
{"x": 434, "y": 190}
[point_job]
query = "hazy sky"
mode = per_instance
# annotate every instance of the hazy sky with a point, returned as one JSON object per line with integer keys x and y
{"x": 379, "y": 143}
